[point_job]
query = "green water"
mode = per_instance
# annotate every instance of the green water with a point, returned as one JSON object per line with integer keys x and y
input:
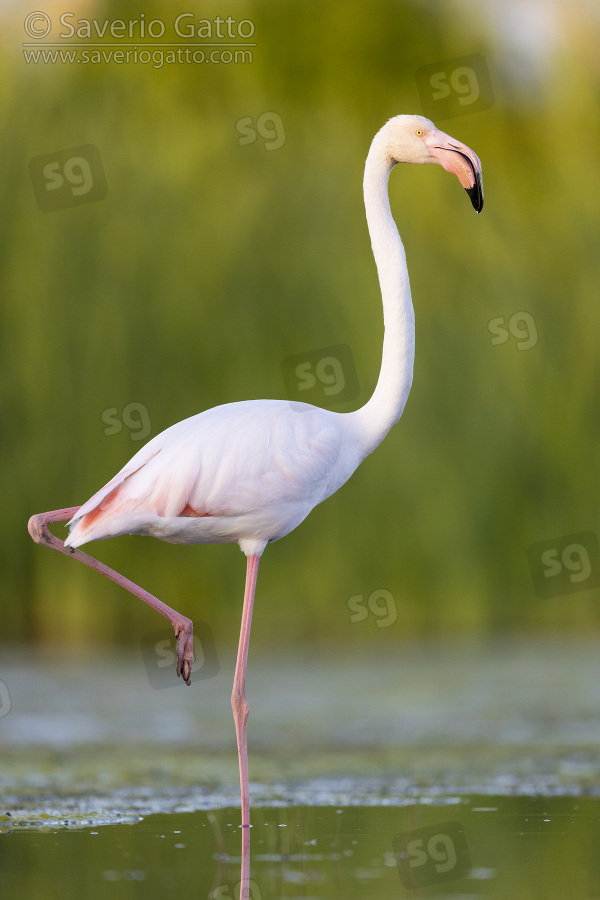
{"x": 439, "y": 770}
{"x": 524, "y": 847}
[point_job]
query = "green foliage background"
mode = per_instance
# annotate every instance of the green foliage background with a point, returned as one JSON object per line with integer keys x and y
{"x": 209, "y": 263}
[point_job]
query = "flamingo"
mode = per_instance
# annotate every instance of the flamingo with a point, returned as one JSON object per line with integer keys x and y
{"x": 250, "y": 472}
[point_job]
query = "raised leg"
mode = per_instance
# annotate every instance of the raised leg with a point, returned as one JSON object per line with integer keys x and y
{"x": 240, "y": 707}
{"x": 38, "y": 529}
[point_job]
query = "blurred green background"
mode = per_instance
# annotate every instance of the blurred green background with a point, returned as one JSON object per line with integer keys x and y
{"x": 214, "y": 257}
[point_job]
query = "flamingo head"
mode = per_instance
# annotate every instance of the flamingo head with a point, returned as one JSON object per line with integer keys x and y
{"x": 415, "y": 139}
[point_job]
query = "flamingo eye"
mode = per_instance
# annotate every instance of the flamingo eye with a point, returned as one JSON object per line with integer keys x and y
{"x": 419, "y": 132}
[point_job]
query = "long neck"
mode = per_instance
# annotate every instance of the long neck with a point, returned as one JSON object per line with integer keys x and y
{"x": 395, "y": 378}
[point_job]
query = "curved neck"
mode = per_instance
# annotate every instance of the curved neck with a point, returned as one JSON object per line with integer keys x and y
{"x": 395, "y": 378}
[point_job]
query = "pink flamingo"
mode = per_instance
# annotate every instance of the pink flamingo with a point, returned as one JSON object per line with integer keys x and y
{"x": 250, "y": 472}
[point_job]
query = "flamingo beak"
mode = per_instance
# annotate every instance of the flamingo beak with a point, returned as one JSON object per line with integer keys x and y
{"x": 460, "y": 160}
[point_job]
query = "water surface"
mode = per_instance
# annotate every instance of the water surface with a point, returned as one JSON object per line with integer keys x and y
{"x": 438, "y": 771}
{"x": 468, "y": 847}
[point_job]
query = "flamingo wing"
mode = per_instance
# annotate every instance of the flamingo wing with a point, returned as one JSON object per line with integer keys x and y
{"x": 233, "y": 472}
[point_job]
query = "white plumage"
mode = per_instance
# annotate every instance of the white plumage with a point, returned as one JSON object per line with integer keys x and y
{"x": 248, "y": 472}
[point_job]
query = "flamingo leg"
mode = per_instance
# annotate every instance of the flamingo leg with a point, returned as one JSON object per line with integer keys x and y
{"x": 38, "y": 529}
{"x": 240, "y": 708}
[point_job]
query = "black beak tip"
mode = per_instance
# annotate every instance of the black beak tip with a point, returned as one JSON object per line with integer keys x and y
{"x": 476, "y": 195}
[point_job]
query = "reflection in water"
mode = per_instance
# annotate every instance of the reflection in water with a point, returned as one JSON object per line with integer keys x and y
{"x": 472, "y": 846}
{"x": 245, "y": 888}
{"x": 475, "y": 846}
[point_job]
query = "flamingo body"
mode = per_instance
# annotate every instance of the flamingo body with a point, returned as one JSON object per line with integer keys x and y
{"x": 246, "y": 472}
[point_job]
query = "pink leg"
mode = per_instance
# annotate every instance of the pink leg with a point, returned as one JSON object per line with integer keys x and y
{"x": 240, "y": 713}
{"x": 183, "y": 627}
